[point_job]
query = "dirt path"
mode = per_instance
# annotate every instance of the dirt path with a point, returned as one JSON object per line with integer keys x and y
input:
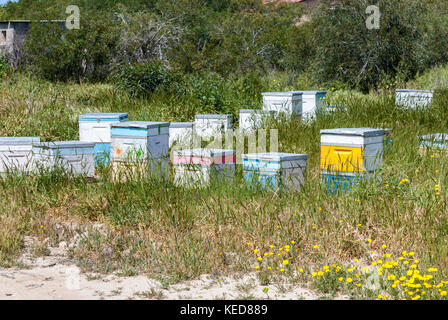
{"x": 56, "y": 277}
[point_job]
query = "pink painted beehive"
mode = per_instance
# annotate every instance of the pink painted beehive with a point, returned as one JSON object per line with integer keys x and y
{"x": 204, "y": 157}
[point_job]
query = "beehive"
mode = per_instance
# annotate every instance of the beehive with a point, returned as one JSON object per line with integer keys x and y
{"x": 197, "y": 167}
{"x": 351, "y": 149}
{"x": 76, "y": 157}
{"x": 181, "y": 133}
{"x": 342, "y": 182}
{"x": 312, "y": 102}
{"x": 411, "y": 98}
{"x": 252, "y": 119}
{"x": 288, "y": 103}
{"x": 95, "y": 127}
{"x": 275, "y": 170}
{"x": 15, "y": 153}
{"x": 210, "y": 125}
{"x": 123, "y": 171}
{"x": 141, "y": 142}
{"x": 436, "y": 143}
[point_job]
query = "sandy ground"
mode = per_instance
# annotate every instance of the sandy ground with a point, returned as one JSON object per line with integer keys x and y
{"x": 56, "y": 277}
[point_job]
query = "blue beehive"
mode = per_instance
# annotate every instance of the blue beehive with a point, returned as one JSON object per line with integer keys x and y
{"x": 275, "y": 170}
{"x": 341, "y": 182}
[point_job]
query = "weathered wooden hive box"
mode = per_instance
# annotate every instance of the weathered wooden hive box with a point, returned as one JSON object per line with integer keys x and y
{"x": 142, "y": 143}
{"x": 76, "y": 157}
{"x": 209, "y": 125}
{"x": 15, "y": 153}
{"x": 197, "y": 167}
{"x": 95, "y": 127}
{"x": 288, "y": 103}
{"x": 411, "y": 98}
{"x": 275, "y": 170}
{"x": 312, "y": 102}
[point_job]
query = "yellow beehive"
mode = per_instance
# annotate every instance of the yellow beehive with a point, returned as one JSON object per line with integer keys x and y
{"x": 351, "y": 149}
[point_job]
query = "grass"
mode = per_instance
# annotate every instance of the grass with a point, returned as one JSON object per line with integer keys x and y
{"x": 174, "y": 233}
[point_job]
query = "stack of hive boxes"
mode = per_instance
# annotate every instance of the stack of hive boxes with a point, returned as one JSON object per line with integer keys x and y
{"x": 349, "y": 154}
{"x": 287, "y": 103}
{"x": 411, "y": 98}
{"x": 208, "y": 126}
{"x": 198, "y": 167}
{"x": 140, "y": 148}
{"x": 15, "y": 153}
{"x": 75, "y": 157}
{"x": 95, "y": 127}
{"x": 275, "y": 170}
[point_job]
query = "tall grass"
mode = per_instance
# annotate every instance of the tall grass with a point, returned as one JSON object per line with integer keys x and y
{"x": 177, "y": 233}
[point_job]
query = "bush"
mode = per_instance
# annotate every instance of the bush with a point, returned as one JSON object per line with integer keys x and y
{"x": 143, "y": 79}
{"x": 58, "y": 54}
{"x": 5, "y": 67}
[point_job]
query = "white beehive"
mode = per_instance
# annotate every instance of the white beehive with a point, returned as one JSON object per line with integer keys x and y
{"x": 289, "y": 103}
{"x": 181, "y": 133}
{"x": 95, "y": 127}
{"x": 136, "y": 141}
{"x": 275, "y": 170}
{"x": 411, "y": 98}
{"x": 15, "y": 153}
{"x": 252, "y": 119}
{"x": 196, "y": 167}
{"x": 351, "y": 149}
{"x": 210, "y": 125}
{"x": 312, "y": 102}
{"x": 144, "y": 142}
{"x": 76, "y": 157}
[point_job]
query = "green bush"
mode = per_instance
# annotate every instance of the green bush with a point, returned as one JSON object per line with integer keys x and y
{"x": 143, "y": 79}
{"x": 5, "y": 67}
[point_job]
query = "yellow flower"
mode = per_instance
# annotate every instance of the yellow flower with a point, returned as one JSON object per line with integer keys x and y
{"x": 356, "y": 259}
{"x": 314, "y": 274}
{"x": 256, "y": 250}
{"x": 259, "y": 258}
{"x": 281, "y": 270}
{"x": 340, "y": 279}
{"x": 265, "y": 254}
{"x": 300, "y": 270}
{"x": 349, "y": 280}
{"x": 432, "y": 270}
{"x": 443, "y": 293}
{"x": 320, "y": 273}
{"x": 369, "y": 240}
{"x": 315, "y": 246}
{"x": 257, "y": 267}
{"x": 384, "y": 246}
{"x": 285, "y": 262}
{"x": 391, "y": 277}
{"x": 292, "y": 242}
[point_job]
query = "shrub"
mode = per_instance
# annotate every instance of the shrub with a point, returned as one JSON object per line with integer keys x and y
{"x": 142, "y": 79}
{"x": 5, "y": 67}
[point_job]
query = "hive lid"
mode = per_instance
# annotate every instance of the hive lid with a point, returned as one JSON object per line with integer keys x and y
{"x": 275, "y": 156}
{"x": 439, "y": 137}
{"x": 106, "y": 117}
{"x": 256, "y": 111}
{"x": 307, "y": 92}
{"x": 18, "y": 140}
{"x": 205, "y": 153}
{"x": 64, "y": 144}
{"x": 140, "y": 124}
{"x": 181, "y": 124}
{"x": 282, "y": 94}
{"x": 414, "y": 90}
{"x": 213, "y": 116}
{"x": 364, "y": 132}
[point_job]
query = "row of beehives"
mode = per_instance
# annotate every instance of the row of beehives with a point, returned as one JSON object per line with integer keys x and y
{"x": 347, "y": 154}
